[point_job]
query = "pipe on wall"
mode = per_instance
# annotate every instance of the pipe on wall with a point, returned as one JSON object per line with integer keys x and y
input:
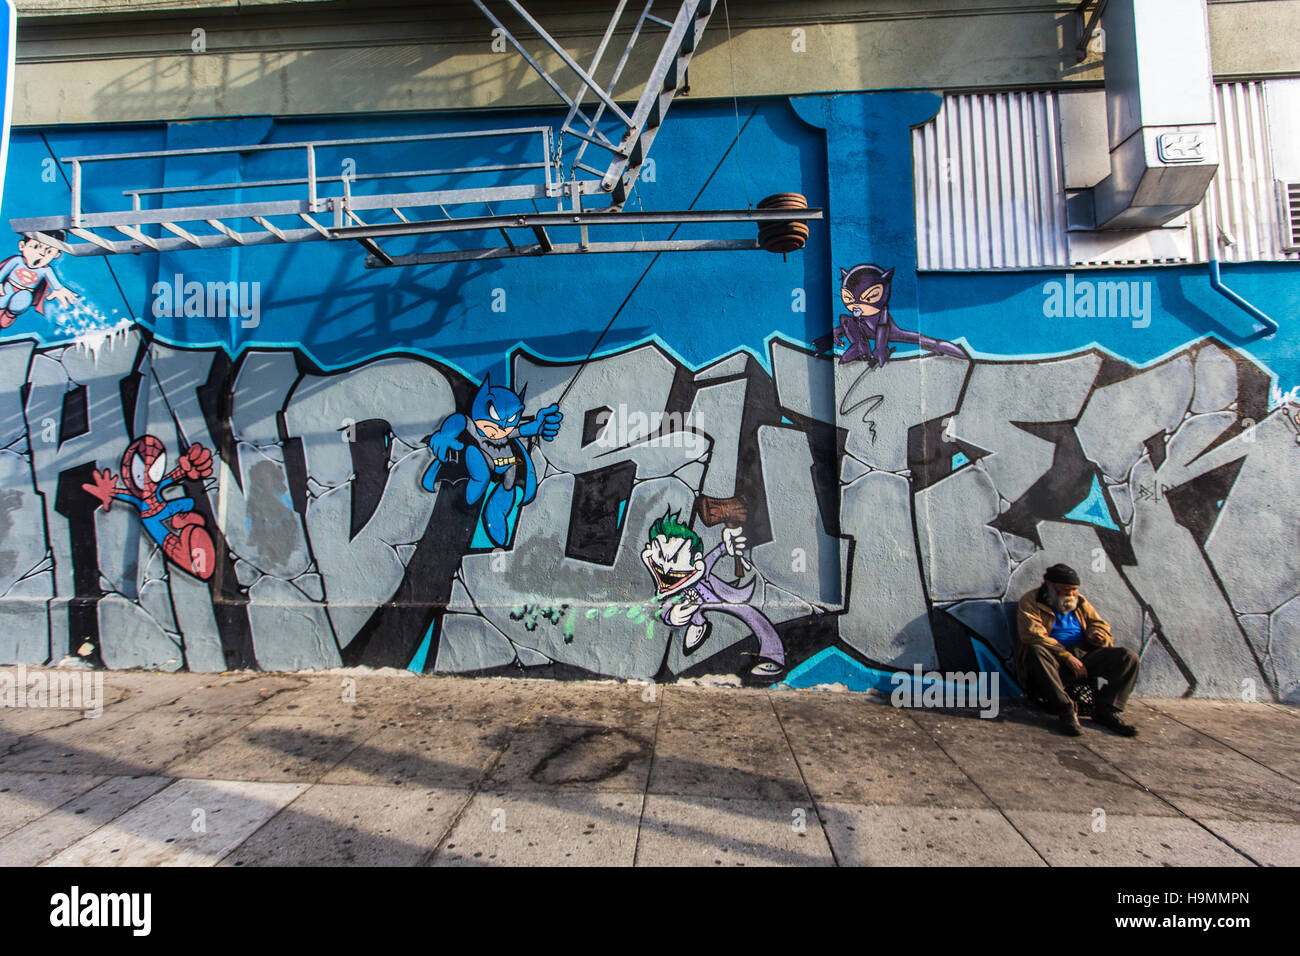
{"x": 1216, "y": 283}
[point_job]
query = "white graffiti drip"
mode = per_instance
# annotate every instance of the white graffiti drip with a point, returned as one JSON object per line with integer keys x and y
{"x": 90, "y": 329}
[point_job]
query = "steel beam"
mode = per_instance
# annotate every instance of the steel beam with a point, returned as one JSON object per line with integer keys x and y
{"x": 557, "y": 219}
{"x": 567, "y": 248}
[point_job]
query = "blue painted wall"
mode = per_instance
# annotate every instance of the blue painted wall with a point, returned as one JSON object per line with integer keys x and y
{"x": 827, "y": 485}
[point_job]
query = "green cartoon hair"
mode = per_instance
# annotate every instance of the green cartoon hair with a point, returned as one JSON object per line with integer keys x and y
{"x": 670, "y": 526}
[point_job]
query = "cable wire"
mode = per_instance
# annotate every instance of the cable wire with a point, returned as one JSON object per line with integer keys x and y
{"x": 627, "y": 298}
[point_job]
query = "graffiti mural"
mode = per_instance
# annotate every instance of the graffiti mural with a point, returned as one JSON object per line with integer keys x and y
{"x": 689, "y": 587}
{"x": 27, "y": 279}
{"x": 498, "y": 462}
{"x": 868, "y": 331}
{"x": 170, "y": 521}
{"x": 765, "y": 518}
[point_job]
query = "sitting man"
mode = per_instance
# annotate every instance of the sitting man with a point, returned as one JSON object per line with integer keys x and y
{"x": 1062, "y": 639}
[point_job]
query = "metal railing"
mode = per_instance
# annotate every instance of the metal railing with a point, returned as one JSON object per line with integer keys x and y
{"x": 82, "y": 224}
{"x": 144, "y": 224}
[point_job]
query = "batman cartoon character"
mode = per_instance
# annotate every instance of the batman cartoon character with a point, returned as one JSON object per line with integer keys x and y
{"x": 869, "y": 329}
{"x": 495, "y": 458}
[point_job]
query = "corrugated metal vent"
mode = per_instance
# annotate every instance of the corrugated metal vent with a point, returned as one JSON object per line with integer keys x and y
{"x": 990, "y": 193}
{"x": 988, "y": 184}
{"x": 1244, "y": 193}
{"x": 1290, "y": 216}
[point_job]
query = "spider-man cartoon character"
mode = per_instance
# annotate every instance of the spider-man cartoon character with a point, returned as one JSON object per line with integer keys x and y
{"x": 172, "y": 522}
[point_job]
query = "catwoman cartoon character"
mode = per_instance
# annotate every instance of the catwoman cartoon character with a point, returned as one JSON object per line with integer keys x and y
{"x": 171, "y": 522}
{"x": 869, "y": 329}
{"x": 496, "y": 460}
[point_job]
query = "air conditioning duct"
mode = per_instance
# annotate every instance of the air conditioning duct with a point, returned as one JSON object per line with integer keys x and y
{"x": 1159, "y": 110}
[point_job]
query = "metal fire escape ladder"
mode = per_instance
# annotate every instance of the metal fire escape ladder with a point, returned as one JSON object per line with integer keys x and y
{"x": 306, "y": 207}
{"x": 666, "y": 78}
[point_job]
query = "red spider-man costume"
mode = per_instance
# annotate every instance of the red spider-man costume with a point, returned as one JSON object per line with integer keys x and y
{"x": 171, "y": 523}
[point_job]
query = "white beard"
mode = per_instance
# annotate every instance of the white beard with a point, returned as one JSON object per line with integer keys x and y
{"x": 1064, "y": 605}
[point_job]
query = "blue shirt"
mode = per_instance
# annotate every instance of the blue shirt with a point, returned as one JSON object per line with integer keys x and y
{"x": 1067, "y": 629}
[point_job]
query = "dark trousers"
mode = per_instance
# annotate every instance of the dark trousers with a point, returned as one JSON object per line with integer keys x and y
{"x": 1045, "y": 677}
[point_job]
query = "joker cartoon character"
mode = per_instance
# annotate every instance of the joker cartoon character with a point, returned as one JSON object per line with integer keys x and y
{"x": 27, "y": 280}
{"x": 497, "y": 462}
{"x": 171, "y": 522}
{"x": 869, "y": 329}
{"x": 685, "y": 578}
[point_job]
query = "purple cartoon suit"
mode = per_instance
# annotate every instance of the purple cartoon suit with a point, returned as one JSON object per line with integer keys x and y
{"x": 715, "y": 595}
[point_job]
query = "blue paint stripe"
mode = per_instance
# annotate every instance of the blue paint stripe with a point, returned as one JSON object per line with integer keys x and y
{"x": 421, "y": 655}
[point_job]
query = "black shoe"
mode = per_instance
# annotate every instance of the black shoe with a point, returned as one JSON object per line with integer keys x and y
{"x": 696, "y": 634}
{"x": 1112, "y": 720}
{"x": 1070, "y": 723}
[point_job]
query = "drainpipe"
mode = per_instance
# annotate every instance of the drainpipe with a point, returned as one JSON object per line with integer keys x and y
{"x": 1216, "y": 280}
{"x": 1216, "y": 283}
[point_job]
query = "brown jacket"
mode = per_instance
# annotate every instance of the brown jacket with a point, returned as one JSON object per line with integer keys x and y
{"x": 1034, "y": 620}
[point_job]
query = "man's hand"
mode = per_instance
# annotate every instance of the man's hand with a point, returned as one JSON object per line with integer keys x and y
{"x": 1095, "y": 637}
{"x": 103, "y": 487}
{"x": 66, "y": 296}
{"x": 681, "y": 613}
{"x": 1075, "y": 667}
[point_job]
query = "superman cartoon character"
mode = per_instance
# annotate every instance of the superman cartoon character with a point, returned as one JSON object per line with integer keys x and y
{"x": 27, "y": 280}
{"x": 171, "y": 522}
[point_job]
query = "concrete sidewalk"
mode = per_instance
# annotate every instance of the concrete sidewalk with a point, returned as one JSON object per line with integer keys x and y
{"x": 253, "y": 769}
